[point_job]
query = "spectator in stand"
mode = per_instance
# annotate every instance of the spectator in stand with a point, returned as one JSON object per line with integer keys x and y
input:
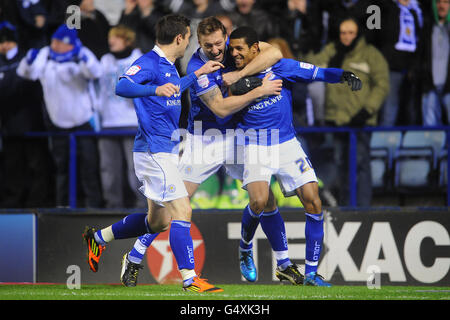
{"x": 226, "y": 21}
{"x": 65, "y": 70}
{"x": 247, "y": 14}
{"x": 141, "y": 16}
{"x": 179, "y": 6}
{"x": 118, "y": 114}
{"x": 296, "y": 28}
{"x": 228, "y": 5}
{"x": 56, "y": 14}
{"x": 283, "y": 46}
{"x": 399, "y": 39}
{"x": 26, "y": 174}
{"x": 303, "y": 37}
{"x": 275, "y": 7}
{"x": 356, "y": 109}
{"x": 202, "y": 9}
{"x": 434, "y": 65}
{"x": 427, "y": 7}
{"x": 326, "y": 16}
{"x": 30, "y": 18}
{"x": 94, "y": 29}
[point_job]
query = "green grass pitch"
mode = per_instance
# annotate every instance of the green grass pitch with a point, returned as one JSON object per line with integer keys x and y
{"x": 231, "y": 292}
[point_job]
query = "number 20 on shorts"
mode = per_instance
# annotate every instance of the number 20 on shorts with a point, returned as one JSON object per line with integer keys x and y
{"x": 304, "y": 164}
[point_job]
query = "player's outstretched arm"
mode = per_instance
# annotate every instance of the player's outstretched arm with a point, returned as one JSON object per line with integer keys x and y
{"x": 335, "y": 75}
{"x": 302, "y": 71}
{"x": 167, "y": 90}
{"x": 223, "y": 107}
{"x": 128, "y": 89}
{"x": 268, "y": 56}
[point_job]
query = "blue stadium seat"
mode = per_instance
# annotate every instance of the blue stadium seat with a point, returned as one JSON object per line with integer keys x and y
{"x": 382, "y": 147}
{"x": 416, "y": 160}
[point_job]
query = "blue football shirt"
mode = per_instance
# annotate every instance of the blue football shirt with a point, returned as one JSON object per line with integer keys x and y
{"x": 158, "y": 117}
{"x": 268, "y": 120}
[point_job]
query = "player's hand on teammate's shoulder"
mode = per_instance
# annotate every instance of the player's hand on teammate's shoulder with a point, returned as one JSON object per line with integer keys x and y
{"x": 167, "y": 90}
{"x": 271, "y": 87}
{"x": 209, "y": 67}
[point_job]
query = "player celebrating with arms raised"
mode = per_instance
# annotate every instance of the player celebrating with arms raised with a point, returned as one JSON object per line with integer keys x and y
{"x": 268, "y": 129}
{"x": 217, "y": 112}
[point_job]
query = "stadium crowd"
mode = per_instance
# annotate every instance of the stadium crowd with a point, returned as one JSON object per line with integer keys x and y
{"x": 401, "y": 53}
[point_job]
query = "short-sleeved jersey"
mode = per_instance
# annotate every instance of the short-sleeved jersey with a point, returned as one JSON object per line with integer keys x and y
{"x": 199, "y": 111}
{"x": 158, "y": 117}
{"x": 268, "y": 120}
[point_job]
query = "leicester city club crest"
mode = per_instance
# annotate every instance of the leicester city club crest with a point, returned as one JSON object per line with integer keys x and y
{"x": 188, "y": 170}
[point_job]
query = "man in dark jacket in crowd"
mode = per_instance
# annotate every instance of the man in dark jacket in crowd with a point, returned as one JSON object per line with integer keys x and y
{"x": 94, "y": 29}
{"x": 297, "y": 28}
{"x": 141, "y": 16}
{"x": 30, "y": 19}
{"x": 398, "y": 40}
{"x": 25, "y": 160}
{"x": 433, "y": 64}
{"x": 247, "y": 14}
{"x": 326, "y": 15}
{"x": 355, "y": 109}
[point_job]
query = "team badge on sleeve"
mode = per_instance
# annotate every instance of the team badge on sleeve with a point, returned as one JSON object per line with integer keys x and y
{"x": 133, "y": 70}
{"x": 305, "y": 65}
{"x": 203, "y": 81}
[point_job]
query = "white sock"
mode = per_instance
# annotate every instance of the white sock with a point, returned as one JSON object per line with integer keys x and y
{"x": 187, "y": 274}
{"x": 107, "y": 234}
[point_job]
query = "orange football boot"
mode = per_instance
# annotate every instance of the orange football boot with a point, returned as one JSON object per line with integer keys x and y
{"x": 94, "y": 249}
{"x": 201, "y": 285}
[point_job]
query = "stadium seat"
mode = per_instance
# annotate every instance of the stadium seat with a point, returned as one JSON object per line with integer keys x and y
{"x": 382, "y": 147}
{"x": 416, "y": 160}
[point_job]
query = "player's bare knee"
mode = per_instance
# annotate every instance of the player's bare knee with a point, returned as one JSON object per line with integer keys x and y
{"x": 161, "y": 224}
{"x": 183, "y": 213}
{"x": 159, "y": 221}
{"x": 188, "y": 213}
{"x": 258, "y": 204}
{"x": 313, "y": 205}
{"x": 156, "y": 227}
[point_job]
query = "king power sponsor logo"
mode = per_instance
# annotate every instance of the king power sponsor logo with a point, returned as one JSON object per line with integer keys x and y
{"x": 162, "y": 263}
{"x": 381, "y": 250}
